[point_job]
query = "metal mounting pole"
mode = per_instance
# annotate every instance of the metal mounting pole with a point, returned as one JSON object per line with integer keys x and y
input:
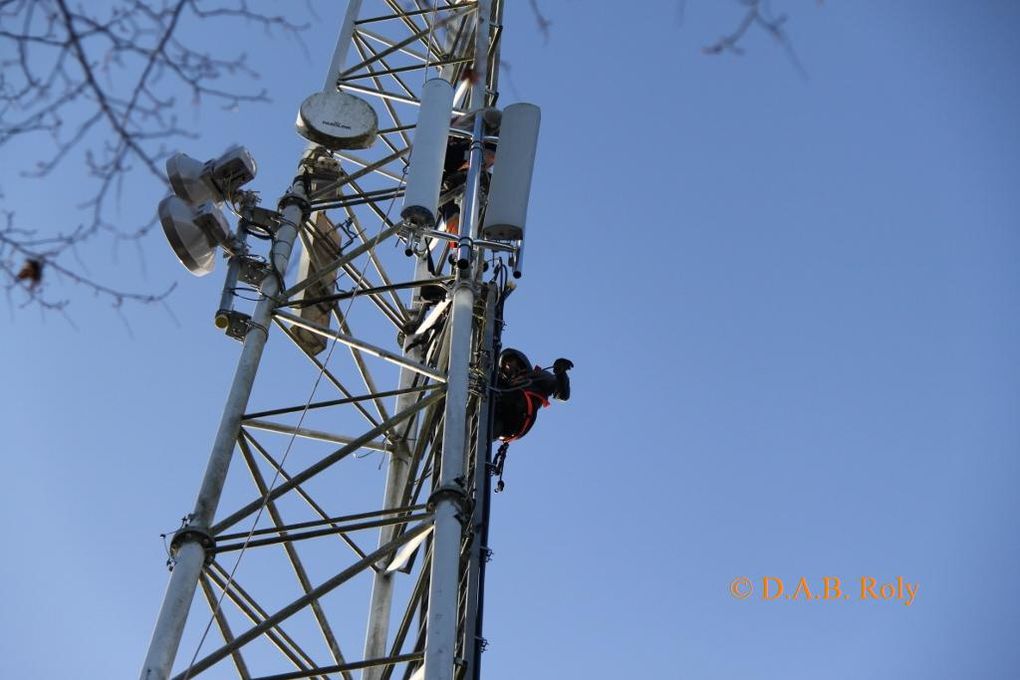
{"x": 450, "y": 495}
{"x": 193, "y": 541}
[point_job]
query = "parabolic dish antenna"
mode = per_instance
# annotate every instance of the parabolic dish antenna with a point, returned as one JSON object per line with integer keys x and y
{"x": 338, "y": 120}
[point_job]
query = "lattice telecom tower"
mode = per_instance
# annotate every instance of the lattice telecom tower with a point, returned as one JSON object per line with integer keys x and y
{"x": 406, "y": 257}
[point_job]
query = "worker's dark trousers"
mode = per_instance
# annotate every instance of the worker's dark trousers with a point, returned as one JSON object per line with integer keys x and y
{"x": 510, "y": 413}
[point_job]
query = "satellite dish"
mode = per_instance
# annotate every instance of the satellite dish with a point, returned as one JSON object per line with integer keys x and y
{"x": 197, "y": 182}
{"x": 338, "y": 120}
{"x": 186, "y": 179}
{"x": 193, "y": 224}
{"x": 193, "y": 233}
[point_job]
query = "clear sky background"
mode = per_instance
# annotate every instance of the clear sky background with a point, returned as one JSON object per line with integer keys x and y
{"x": 792, "y": 302}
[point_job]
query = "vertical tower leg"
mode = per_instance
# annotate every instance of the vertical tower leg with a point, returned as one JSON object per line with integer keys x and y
{"x": 190, "y": 554}
{"x": 189, "y": 542}
{"x": 449, "y": 497}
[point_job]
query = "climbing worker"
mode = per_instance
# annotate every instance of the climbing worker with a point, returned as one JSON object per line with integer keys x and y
{"x": 519, "y": 392}
{"x": 522, "y": 389}
{"x": 455, "y": 168}
{"x": 458, "y": 147}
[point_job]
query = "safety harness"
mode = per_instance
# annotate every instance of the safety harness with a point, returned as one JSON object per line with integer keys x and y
{"x": 531, "y": 400}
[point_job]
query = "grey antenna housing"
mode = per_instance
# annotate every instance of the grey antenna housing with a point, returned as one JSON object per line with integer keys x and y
{"x": 425, "y": 170}
{"x": 507, "y": 210}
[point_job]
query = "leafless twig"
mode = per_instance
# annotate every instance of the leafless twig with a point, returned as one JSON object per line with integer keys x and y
{"x": 757, "y": 13}
{"x": 102, "y": 83}
{"x": 25, "y": 258}
{"x": 540, "y": 20}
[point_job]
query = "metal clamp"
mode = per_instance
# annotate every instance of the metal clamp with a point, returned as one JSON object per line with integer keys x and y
{"x": 194, "y": 533}
{"x": 299, "y": 201}
{"x": 454, "y": 492}
{"x": 253, "y": 271}
{"x": 234, "y": 323}
{"x": 447, "y": 491}
{"x": 261, "y": 220}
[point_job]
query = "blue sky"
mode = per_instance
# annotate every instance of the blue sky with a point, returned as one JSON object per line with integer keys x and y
{"x": 792, "y": 305}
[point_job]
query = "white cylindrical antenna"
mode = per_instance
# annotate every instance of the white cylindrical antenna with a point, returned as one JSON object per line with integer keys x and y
{"x": 507, "y": 209}
{"x": 425, "y": 171}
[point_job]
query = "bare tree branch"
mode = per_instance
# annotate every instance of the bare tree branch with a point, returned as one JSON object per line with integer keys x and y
{"x": 100, "y": 84}
{"x": 757, "y": 13}
{"x": 25, "y": 258}
{"x": 541, "y": 21}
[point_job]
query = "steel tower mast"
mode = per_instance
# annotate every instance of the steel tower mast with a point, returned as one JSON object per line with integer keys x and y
{"x": 320, "y": 543}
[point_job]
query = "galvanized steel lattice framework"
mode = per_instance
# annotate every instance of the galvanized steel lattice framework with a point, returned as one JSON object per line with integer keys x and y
{"x": 332, "y": 549}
